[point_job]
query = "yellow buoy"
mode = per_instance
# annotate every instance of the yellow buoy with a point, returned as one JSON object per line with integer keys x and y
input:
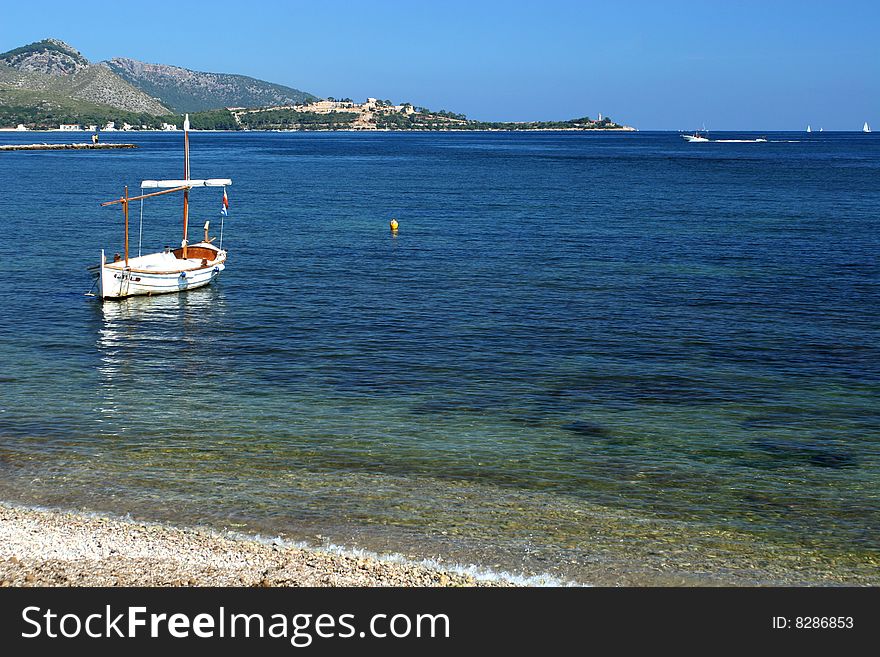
{"x": 393, "y": 225}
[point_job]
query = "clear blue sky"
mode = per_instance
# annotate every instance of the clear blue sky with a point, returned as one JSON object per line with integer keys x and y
{"x": 655, "y": 65}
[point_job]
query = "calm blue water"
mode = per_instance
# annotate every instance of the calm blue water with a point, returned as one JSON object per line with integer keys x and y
{"x": 607, "y": 357}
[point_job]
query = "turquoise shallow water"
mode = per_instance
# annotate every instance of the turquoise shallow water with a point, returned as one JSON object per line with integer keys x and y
{"x": 612, "y": 358}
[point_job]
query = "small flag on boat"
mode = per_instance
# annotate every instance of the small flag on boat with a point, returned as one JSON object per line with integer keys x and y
{"x": 225, "y": 209}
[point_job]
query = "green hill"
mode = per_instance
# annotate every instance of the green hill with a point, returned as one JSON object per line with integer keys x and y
{"x": 46, "y": 110}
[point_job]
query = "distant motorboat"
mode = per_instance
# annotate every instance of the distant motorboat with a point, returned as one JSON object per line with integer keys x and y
{"x": 866, "y": 127}
{"x": 697, "y": 136}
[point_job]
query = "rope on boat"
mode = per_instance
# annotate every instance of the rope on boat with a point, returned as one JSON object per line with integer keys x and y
{"x": 141, "y": 228}
{"x": 222, "y": 217}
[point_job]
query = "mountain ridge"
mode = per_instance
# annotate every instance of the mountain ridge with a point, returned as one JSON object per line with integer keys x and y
{"x": 54, "y": 68}
{"x": 187, "y": 90}
{"x": 50, "y": 56}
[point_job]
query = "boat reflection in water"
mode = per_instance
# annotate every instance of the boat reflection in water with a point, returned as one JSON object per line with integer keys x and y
{"x": 155, "y": 357}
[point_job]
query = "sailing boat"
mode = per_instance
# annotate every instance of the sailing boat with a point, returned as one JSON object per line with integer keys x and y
{"x": 185, "y": 268}
{"x": 866, "y": 127}
{"x": 809, "y": 129}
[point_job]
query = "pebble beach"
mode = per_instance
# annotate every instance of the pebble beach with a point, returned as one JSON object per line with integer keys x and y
{"x": 54, "y": 548}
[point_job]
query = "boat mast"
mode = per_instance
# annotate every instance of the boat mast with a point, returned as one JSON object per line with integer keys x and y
{"x": 185, "y": 177}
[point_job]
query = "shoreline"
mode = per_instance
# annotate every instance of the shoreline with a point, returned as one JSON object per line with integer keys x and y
{"x": 43, "y": 547}
{"x": 587, "y": 130}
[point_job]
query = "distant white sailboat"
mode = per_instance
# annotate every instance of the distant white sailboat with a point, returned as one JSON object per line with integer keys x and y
{"x": 809, "y": 129}
{"x": 866, "y": 127}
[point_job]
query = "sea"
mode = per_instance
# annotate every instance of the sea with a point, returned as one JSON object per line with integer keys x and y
{"x": 584, "y": 358}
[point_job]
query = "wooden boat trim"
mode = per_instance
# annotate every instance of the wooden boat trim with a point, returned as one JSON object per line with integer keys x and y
{"x": 157, "y": 272}
{"x": 115, "y": 266}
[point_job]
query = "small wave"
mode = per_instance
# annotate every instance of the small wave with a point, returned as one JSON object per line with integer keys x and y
{"x": 472, "y": 570}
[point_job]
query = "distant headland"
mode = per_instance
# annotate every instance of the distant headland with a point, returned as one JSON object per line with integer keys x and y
{"x": 49, "y": 85}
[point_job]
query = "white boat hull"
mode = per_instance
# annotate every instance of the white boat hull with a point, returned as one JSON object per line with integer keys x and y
{"x": 158, "y": 273}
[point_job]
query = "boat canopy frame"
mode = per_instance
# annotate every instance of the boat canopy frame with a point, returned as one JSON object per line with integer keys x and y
{"x": 166, "y": 187}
